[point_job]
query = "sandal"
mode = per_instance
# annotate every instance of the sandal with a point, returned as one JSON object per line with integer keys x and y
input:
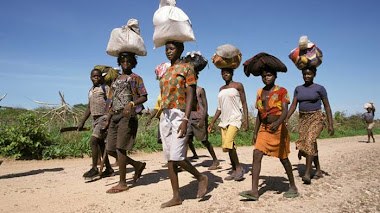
{"x": 116, "y": 189}
{"x": 246, "y": 194}
{"x": 240, "y": 176}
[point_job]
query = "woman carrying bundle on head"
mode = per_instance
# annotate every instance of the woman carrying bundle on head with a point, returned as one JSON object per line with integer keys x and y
{"x": 271, "y": 136}
{"x": 310, "y": 97}
{"x": 232, "y": 107}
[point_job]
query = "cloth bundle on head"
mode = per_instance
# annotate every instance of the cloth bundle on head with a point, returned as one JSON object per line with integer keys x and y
{"x": 196, "y": 59}
{"x": 126, "y": 39}
{"x": 306, "y": 55}
{"x": 161, "y": 69}
{"x": 261, "y": 62}
{"x": 367, "y": 105}
{"x": 227, "y": 56}
{"x": 108, "y": 73}
{"x": 171, "y": 24}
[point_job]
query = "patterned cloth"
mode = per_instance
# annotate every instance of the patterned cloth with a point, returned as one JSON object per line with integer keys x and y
{"x": 173, "y": 85}
{"x": 96, "y": 99}
{"x": 275, "y": 99}
{"x": 124, "y": 91}
{"x": 310, "y": 127}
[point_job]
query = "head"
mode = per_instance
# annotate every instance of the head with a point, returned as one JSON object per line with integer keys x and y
{"x": 227, "y": 74}
{"x": 268, "y": 76}
{"x": 127, "y": 60}
{"x": 96, "y": 77}
{"x": 369, "y": 109}
{"x": 309, "y": 74}
{"x": 173, "y": 50}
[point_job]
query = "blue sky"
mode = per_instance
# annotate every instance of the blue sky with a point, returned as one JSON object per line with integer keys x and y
{"x": 49, "y": 46}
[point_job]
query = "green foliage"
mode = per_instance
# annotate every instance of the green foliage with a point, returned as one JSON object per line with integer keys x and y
{"x": 24, "y": 135}
{"x": 24, "y": 138}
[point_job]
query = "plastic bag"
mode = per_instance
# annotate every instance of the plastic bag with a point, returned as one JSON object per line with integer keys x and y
{"x": 126, "y": 39}
{"x": 171, "y": 24}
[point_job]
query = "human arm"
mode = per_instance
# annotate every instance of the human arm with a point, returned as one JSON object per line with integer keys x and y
{"x": 87, "y": 114}
{"x": 190, "y": 89}
{"x": 201, "y": 122}
{"x": 284, "y": 112}
{"x": 326, "y": 105}
{"x": 243, "y": 99}
{"x": 292, "y": 108}
{"x": 152, "y": 115}
{"x": 257, "y": 127}
{"x": 216, "y": 116}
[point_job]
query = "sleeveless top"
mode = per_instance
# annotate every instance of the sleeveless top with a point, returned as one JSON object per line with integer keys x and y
{"x": 229, "y": 103}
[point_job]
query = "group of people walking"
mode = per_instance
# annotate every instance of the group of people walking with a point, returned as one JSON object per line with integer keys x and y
{"x": 180, "y": 120}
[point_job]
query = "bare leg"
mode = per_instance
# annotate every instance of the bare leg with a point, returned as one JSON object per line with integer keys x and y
{"x": 319, "y": 173}
{"x": 210, "y": 149}
{"x": 288, "y": 168}
{"x": 191, "y": 146}
{"x": 369, "y": 135}
{"x": 94, "y": 151}
{"x": 173, "y": 175}
{"x": 236, "y": 167}
{"x": 307, "y": 177}
{"x": 202, "y": 179}
{"x": 373, "y": 138}
{"x": 256, "y": 167}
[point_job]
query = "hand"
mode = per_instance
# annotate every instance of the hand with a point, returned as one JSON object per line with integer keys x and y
{"x": 331, "y": 130}
{"x": 254, "y": 139}
{"x": 182, "y": 129}
{"x": 128, "y": 110}
{"x": 201, "y": 123}
{"x": 210, "y": 128}
{"x": 274, "y": 126}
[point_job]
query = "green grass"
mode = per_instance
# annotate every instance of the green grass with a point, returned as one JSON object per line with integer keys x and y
{"x": 76, "y": 144}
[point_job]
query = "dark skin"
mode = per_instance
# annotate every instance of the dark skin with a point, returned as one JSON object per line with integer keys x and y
{"x": 227, "y": 77}
{"x": 96, "y": 144}
{"x": 274, "y": 122}
{"x": 369, "y": 131}
{"x": 308, "y": 76}
{"x": 201, "y": 124}
{"x": 121, "y": 154}
{"x": 173, "y": 53}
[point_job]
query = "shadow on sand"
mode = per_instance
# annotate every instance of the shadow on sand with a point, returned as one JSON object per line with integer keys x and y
{"x": 32, "y": 172}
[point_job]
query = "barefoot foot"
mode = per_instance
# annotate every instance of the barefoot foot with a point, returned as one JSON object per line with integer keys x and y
{"x": 202, "y": 186}
{"x": 172, "y": 202}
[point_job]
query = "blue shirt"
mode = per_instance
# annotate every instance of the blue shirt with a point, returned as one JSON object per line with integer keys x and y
{"x": 309, "y": 98}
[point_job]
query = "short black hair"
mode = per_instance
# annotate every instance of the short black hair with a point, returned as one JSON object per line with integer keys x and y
{"x": 230, "y": 70}
{"x": 96, "y": 70}
{"x": 131, "y": 57}
{"x": 178, "y": 44}
{"x": 274, "y": 72}
{"x": 312, "y": 69}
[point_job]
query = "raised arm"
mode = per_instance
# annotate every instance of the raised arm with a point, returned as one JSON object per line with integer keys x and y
{"x": 243, "y": 99}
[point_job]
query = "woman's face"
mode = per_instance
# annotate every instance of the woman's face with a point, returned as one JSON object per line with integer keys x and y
{"x": 268, "y": 78}
{"x": 172, "y": 52}
{"x": 126, "y": 64}
{"x": 308, "y": 75}
{"x": 227, "y": 75}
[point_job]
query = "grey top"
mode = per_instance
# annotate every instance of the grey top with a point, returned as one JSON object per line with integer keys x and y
{"x": 368, "y": 117}
{"x": 309, "y": 98}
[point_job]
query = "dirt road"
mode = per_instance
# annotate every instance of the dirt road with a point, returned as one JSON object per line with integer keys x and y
{"x": 351, "y": 184}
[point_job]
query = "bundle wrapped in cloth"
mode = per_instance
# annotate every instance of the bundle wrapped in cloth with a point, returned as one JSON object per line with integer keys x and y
{"x": 227, "y": 56}
{"x": 126, "y": 39}
{"x": 263, "y": 61}
{"x": 171, "y": 24}
{"x": 368, "y": 105}
{"x": 108, "y": 72}
{"x": 196, "y": 59}
{"x": 307, "y": 54}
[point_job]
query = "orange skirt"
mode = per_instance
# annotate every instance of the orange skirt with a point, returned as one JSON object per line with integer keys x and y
{"x": 275, "y": 144}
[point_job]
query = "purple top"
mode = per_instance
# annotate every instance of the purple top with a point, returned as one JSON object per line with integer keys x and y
{"x": 309, "y": 98}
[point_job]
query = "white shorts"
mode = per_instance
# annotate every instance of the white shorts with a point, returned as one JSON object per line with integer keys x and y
{"x": 174, "y": 148}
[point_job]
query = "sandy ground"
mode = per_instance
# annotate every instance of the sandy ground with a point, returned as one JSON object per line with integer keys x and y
{"x": 351, "y": 184}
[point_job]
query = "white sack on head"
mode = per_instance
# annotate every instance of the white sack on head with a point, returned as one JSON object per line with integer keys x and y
{"x": 126, "y": 39}
{"x": 171, "y": 24}
{"x": 367, "y": 105}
